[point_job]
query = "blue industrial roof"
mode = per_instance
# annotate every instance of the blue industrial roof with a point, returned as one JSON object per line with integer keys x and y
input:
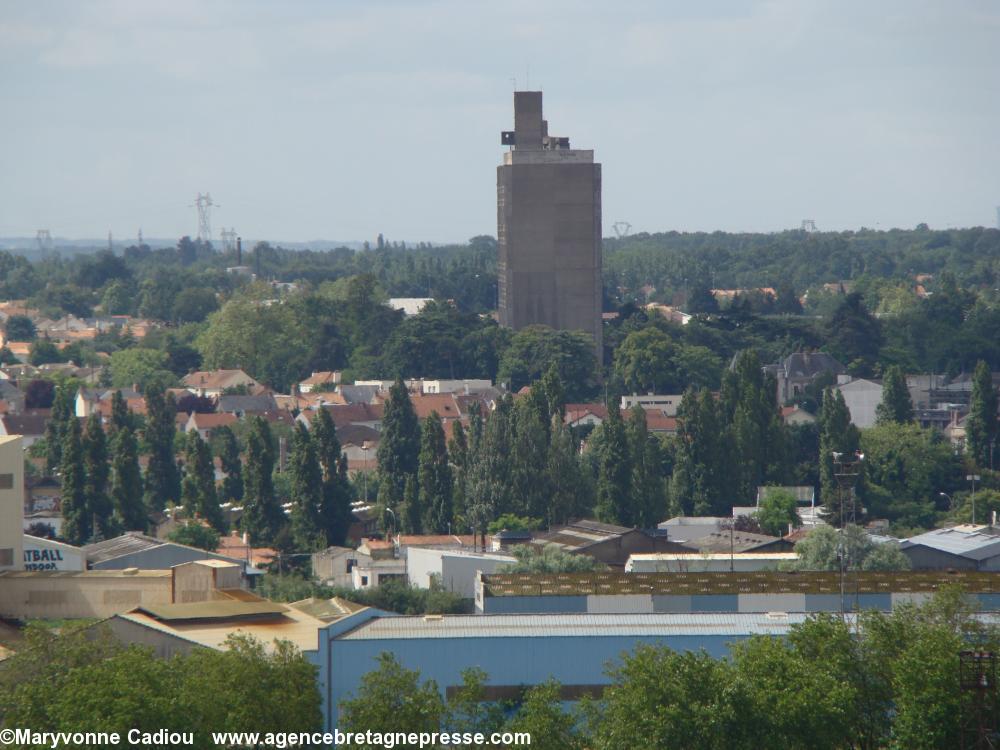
{"x": 549, "y": 625}
{"x": 969, "y": 542}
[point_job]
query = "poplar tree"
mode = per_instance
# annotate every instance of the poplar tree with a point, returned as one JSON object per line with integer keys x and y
{"x": 530, "y": 451}
{"x": 78, "y": 523}
{"x": 565, "y": 480}
{"x": 896, "y": 405}
{"x": 121, "y": 417}
{"x": 335, "y": 511}
{"x": 162, "y": 476}
{"x": 647, "y": 484}
{"x": 306, "y": 486}
{"x": 96, "y": 470}
{"x": 981, "y": 426}
{"x": 458, "y": 454}
{"x": 614, "y": 477}
{"x": 411, "y": 510}
{"x": 232, "y": 466}
{"x": 836, "y": 435}
{"x": 263, "y": 517}
{"x": 198, "y": 488}
{"x": 399, "y": 445}
{"x": 55, "y": 429}
{"x": 126, "y": 482}
{"x": 435, "y": 477}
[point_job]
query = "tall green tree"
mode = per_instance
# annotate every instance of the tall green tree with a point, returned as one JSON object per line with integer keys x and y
{"x": 78, "y": 526}
{"x": 126, "y": 482}
{"x": 96, "y": 470}
{"x": 896, "y": 405}
{"x": 488, "y": 490}
{"x": 263, "y": 516}
{"x": 647, "y": 490}
{"x": 569, "y": 496}
{"x": 393, "y": 699}
{"x": 530, "y": 493}
{"x": 198, "y": 489}
{"x": 981, "y": 427}
{"x": 399, "y": 445}
{"x": 162, "y": 476}
{"x": 121, "y": 417}
{"x": 614, "y": 478}
{"x": 232, "y": 466}
{"x": 306, "y": 485}
{"x": 336, "y": 513}
{"x": 63, "y": 410}
{"x": 702, "y": 482}
{"x": 854, "y": 336}
{"x": 836, "y": 435}
{"x": 412, "y": 510}
{"x": 435, "y": 477}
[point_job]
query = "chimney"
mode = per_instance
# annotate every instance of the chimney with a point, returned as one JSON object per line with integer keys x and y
{"x": 239, "y": 251}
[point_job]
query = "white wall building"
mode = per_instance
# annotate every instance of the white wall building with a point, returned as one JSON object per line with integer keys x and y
{"x": 862, "y": 398}
{"x": 46, "y": 554}
{"x": 11, "y": 503}
{"x": 456, "y": 569}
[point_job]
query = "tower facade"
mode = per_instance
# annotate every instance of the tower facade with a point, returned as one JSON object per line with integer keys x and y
{"x": 548, "y": 228}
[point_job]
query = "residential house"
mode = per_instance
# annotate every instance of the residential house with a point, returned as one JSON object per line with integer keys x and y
{"x": 324, "y": 380}
{"x": 796, "y": 415}
{"x": 215, "y": 382}
{"x": 409, "y": 306}
{"x": 862, "y": 397}
{"x": 12, "y": 396}
{"x": 668, "y": 404}
{"x": 377, "y": 561}
{"x": 800, "y": 370}
{"x": 242, "y": 406}
{"x": 585, "y": 415}
{"x": 31, "y": 426}
{"x": 333, "y": 566}
{"x": 205, "y": 423}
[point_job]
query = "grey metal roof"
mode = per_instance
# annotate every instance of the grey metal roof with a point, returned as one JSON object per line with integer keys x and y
{"x": 550, "y": 625}
{"x": 125, "y": 544}
{"x": 974, "y": 545}
{"x": 247, "y": 404}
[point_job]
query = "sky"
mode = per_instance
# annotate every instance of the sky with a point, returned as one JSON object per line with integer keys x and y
{"x": 340, "y": 120}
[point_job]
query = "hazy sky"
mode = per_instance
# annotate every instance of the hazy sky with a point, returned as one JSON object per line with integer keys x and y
{"x": 340, "y": 120}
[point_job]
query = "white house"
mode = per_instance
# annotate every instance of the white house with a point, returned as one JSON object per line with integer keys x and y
{"x": 862, "y": 398}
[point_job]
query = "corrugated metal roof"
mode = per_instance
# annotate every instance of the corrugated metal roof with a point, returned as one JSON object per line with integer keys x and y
{"x": 758, "y": 582}
{"x": 973, "y": 544}
{"x": 580, "y": 625}
{"x": 125, "y": 544}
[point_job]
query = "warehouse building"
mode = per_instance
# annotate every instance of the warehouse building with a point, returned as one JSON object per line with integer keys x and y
{"x": 765, "y": 591}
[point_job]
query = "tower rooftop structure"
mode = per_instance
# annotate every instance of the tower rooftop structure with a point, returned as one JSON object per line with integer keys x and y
{"x": 548, "y": 227}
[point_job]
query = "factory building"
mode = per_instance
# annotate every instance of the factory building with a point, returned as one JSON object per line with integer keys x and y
{"x": 742, "y": 593}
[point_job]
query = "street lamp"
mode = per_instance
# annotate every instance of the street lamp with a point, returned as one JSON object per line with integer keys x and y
{"x": 951, "y": 503}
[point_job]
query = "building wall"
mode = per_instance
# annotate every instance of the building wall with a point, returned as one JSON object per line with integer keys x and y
{"x": 164, "y": 645}
{"x": 457, "y": 571}
{"x": 45, "y": 554}
{"x": 702, "y": 603}
{"x": 862, "y": 399}
{"x": 11, "y": 503}
{"x": 331, "y": 566}
{"x": 69, "y": 596}
{"x": 928, "y": 558}
{"x": 508, "y": 662}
